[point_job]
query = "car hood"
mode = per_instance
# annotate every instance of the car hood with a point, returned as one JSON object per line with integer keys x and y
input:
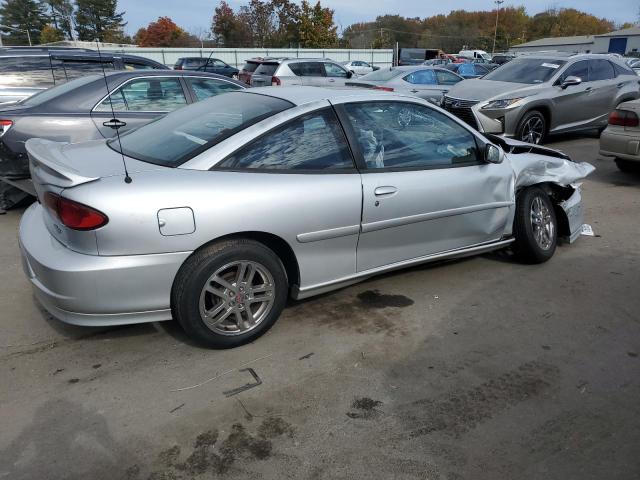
{"x": 481, "y": 89}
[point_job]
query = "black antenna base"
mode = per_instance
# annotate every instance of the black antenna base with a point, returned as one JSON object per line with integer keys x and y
{"x": 127, "y": 179}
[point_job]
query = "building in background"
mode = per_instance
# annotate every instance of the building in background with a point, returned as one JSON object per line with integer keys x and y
{"x": 621, "y": 41}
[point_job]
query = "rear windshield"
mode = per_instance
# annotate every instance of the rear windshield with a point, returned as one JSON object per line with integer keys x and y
{"x": 382, "y": 75}
{"x": 185, "y": 133}
{"x": 526, "y": 70}
{"x": 250, "y": 66}
{"x": 46, "y": 95}
{"x": 266, "y": 69}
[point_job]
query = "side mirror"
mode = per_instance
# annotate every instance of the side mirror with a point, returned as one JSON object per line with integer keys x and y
{"x": 569, "y": 81}
{"x": 350, "y": 74}
{"x": 493, "y": 154}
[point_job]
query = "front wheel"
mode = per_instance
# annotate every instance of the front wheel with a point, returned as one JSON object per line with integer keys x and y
{"x": 532, "y": 128}
{"x": 535, "y": 226}
{"x": 229, "y": 293}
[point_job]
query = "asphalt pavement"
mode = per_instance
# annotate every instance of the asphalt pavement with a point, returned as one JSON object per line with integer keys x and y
{"x": 480, "y": 368}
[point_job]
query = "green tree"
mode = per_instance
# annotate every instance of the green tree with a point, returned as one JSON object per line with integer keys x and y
{"x": 23, "y": 15}
{"x": 99, "y": 19}
{"x": 228, "y": 29}
{"x": 61, "y": 13}
{"x": 260, "y": 20}
{"x": 316, "y": 27}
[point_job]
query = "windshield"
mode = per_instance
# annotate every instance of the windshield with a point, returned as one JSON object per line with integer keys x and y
{"x": 185, "y": 133}
{"x": 266, "y": 69}
{"x": 526, "y": 70}
{"x": 382, "y": 75}
{"x": 46, "y": 95}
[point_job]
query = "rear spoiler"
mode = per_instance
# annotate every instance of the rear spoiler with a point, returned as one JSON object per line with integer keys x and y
{"x": 47, "y": 164}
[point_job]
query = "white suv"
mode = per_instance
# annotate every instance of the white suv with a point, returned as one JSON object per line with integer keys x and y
{"x": 300, "y": 71}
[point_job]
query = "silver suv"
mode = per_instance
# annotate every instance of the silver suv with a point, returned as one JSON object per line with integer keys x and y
{"x": 534, "y": 95}
{"x": 319, "y": 72}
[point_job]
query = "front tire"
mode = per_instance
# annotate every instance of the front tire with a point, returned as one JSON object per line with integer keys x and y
{"x": 229, "y": 293}
{"x": 535, "y": 226}
{"x": 532, "y": 128}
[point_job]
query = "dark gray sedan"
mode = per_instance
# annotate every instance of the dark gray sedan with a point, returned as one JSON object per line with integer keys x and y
{"x": 80, "y": 110}
{"x": 422, "y": 81}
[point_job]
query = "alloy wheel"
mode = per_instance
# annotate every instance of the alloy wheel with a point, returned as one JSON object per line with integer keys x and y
{"x": 542, "y": 223}
{"x": 533, "y": 130}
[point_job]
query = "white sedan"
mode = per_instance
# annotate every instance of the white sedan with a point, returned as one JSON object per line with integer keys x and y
{"x": 359, "y": 67}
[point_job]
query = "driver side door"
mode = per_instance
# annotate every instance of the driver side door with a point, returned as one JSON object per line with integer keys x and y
{"x": 426, "y": 187}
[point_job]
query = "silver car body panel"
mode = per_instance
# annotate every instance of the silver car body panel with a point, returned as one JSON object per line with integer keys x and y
{"x": 123, "y": 272}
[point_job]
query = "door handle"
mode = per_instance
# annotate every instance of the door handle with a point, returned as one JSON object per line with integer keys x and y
{"x": 382, "y": 191}
{"x": 114, "y": 123}
{"x": 620, "y": 85}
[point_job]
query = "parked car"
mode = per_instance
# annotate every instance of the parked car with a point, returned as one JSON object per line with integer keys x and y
{"x": 80, "y": 110}
{"x": 469, "y": 70}
{"x": 359, "y": 67}
{"x": 416, "y": 56}
{"x": 316, "y": 72}
{"x": 250, "y": 66}
{"x": 25, "y": 71}
{"x": 437, "y": 62}
{"x": 534, "y": 95}
{"x": 425, "y": 82}
{"x": 472, "y": 54}
{"x": 205, "y": 64}
{"x": 501, "y": 58}
{"x": 225, "y": 215}
{"x": 621, "y": 138}
{"x": 634, "y": 63}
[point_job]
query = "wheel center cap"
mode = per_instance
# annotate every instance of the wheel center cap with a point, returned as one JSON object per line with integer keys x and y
{"x": 239, "y": 297}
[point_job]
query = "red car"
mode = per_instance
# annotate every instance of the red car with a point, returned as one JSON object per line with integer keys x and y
{"x": 246, "y": 72}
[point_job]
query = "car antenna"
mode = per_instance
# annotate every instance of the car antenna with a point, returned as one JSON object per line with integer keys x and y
{"x": 127, "y": 178}
{"x": 207, "y": 63}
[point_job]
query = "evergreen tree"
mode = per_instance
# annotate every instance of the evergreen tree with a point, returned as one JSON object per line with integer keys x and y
{"x": 24, "y": 15}
{"x": 99, "y": 19}
{"x": 61, "y": 12}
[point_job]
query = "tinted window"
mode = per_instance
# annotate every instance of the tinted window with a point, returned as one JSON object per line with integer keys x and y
{"x": 447, "y": 78}
{"x": 526, "y": 70}
{"x": 422, "y": 77}
{"x": 58, "y": 90}
{"x": 146, "y": 95}
{"x": 307, "y": 69}
{"x": 179, "y": 136}
{"x": 70, "y": 69}
{"x": 467, "y": 69}
{"x": 600, "y": 70}
{"x": 129, "y": 65}
{"x": 250, "y": 66}
{"x": 405, "y": 135}
{"x": 578, "y": 69}
{"x": 25, "y": 71}
{"x": 209, "y": 87}
{"x": 194, "y": 62}
{"x": 334, "y": 70}
{"x": 312, "y": 142}
{"x": 266, "y": 69}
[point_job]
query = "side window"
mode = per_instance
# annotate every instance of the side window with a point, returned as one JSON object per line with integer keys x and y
{"x": 209, "y": 87}
{"x": 25, "y": 71}
{"x": 334, "y": 70}
{"x": 600, "y": 70}
{"x": 79, "y": 68}
{"x": 467, "y": 69}
{"x": 422, "y": 77}
{"x": 307, "y": 69}
{"x": 620, "y": 70}
{"x": 146, "y": 95}
{"x": 447, "y": 78}
{"x": 406, "y": 135}
{"x": 578, "y": 69}
{"x": 194, "y": 62}
{"x": 130, "y": 65}
{"x": 218, "y": 63}
{"x": 312, "y": 142}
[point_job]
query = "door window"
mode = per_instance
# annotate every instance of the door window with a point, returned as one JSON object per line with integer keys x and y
{"x": 409, "y": 136}
{"x": 71, "y": 69}
{"x": 25, "y": 71}
{"x": 467, "y": 69}
{"x": 129, "y": 65}
{"x": 209, "y": 87}
{"x": 600, "y": 70}
{"x": 334, "y": 70}
{"x": 578, "y": 69}
{"x": 447, "y": 78}
{"x": 146, "y": 95}
{"x": 311, "y": 142}
{"x": 422, "y": 77}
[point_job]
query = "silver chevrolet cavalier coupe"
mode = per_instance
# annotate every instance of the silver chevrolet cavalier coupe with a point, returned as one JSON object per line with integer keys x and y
{"x": 228, "y": 206}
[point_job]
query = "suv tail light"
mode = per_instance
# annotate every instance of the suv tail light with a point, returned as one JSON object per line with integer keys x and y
{"x": 275, "y": 82}
{"x": 4, "y": 126}
{"x": 74, "y": 215}
{"x": 385, "y": 89}
{"x": 623, "y": 118}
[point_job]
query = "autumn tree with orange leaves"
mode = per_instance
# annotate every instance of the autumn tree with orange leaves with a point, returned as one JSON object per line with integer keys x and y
{"x": 164, "y": 33}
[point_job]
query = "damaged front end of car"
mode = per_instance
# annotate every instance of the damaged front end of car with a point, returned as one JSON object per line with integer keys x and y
{"x": 556, "y": 173}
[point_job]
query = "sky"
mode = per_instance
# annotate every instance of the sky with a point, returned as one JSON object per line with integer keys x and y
{"x": 195, "y": 15}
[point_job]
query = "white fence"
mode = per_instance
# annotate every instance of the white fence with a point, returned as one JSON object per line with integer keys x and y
{"x": 237, "y": 56}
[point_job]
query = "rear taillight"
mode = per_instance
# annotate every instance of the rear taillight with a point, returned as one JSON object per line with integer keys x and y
{"x": 74, "y": 215}
{"x": 4, "y": 126}
{"x": 275, "y": 82}
{"x": 385, "y": 89}
{"x": 623, "y": 118}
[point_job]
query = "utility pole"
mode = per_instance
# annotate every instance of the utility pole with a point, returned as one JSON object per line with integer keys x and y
{"x": 495, "y": 34}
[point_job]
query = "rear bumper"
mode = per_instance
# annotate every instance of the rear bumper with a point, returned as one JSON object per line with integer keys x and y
{"x": 91, "y": 290}
{"x": 620, "y": 145}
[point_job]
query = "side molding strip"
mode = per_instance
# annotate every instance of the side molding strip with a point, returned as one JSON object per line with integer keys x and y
{"x": 327, "y": 234}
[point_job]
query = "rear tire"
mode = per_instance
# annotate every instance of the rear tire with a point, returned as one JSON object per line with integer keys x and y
{"x": 535, "y": 226}
{"x": 627, "y": 166}
{"x": 229, "y": 293}
{"x": 532, "y": 128}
